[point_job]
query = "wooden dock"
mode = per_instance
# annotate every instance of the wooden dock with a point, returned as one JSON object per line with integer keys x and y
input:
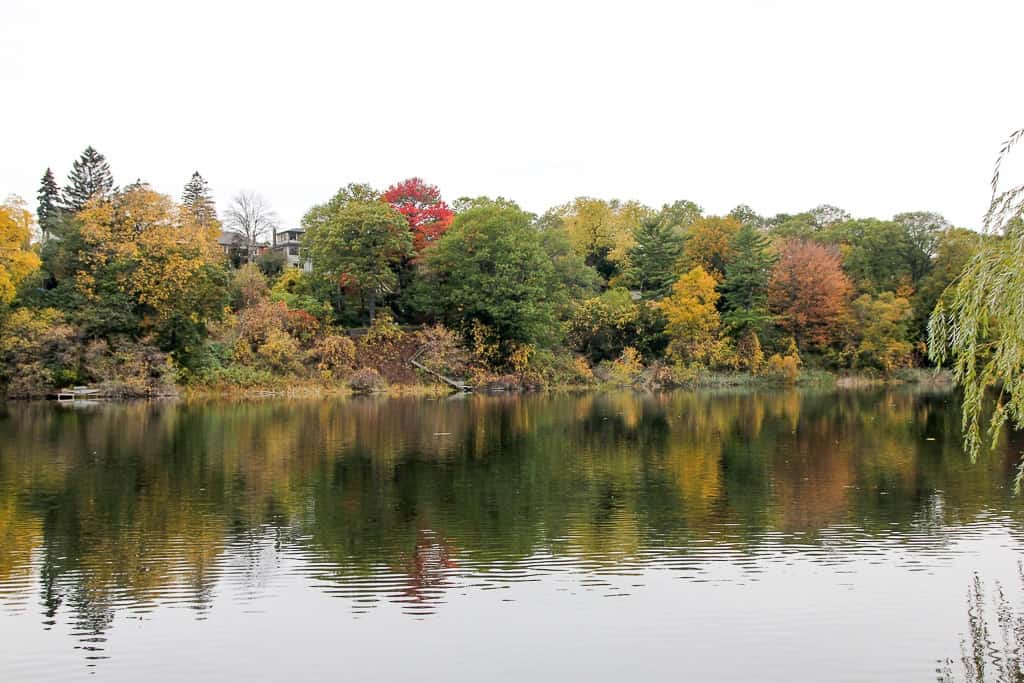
{"x": 78, "y": 394}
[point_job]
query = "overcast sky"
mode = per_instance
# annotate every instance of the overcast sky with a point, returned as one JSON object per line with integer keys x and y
{"x": 877, "y": 107}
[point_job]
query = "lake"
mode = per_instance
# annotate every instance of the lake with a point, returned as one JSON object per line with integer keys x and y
{"x": 783, "y": 536}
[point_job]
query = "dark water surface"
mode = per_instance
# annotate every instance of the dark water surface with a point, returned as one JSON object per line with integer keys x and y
{"x": 716, "y": 536}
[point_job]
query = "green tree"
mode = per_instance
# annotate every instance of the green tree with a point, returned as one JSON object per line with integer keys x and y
{"x": 48, "y": 208}
{"x": 653, "y": 258}
{"x": 745, "y": 289}
{"x": 357, "y": 243}
{"x": 491, "y": 268}
{"x": 198, "y": 200}
{"x": 90, "y": 177}
{"x": 923, "y": 230}
{"x": 874, "y": 253}
{"x": 747, "y": 216}
{"x": 954, "y": 249}
{"x": 680, "y": 215}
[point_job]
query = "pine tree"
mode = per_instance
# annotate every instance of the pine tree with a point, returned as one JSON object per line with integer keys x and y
{"x": 49, "y": 200}
{"x": 90, "y": 177}
{"x": 198, "y": 199}
{"x": 653, "y": 258}
{"x": 745, "y": 289}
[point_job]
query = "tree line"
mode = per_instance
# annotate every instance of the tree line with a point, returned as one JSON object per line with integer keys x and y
{"x": 128, "y": 286}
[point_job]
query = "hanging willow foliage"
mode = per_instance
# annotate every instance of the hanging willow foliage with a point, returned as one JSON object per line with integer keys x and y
{"x": 978, "y": 326}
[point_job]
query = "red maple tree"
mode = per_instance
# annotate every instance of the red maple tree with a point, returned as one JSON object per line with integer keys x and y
{"x": 421, "y": 204}
{"x": 810, "y": 293}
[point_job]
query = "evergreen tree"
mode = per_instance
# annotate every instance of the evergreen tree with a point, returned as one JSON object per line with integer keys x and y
{"x": 745, "y": 289}
{"x": 90, "y": 177}
{"x": 49, "y": 200}
{"x": 653, "y": 258}
{"x": 198, "y": 200}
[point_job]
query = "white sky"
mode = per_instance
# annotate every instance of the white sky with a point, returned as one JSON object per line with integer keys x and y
{"x": 877, "y": 107}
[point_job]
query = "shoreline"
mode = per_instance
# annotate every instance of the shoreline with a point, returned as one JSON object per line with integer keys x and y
{"x": 821, "y": 379}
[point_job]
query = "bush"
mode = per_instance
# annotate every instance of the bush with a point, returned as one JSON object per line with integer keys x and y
{"x": 256, "y": 323}
{"x": 627, "y": 368}
{"x": 129, "y": 369}
{"x": 248, "y": 286}
{"x": 785, "y": 368}
{"x": 366, "y": 381}
{"x": 280, "y": 352}
{"x": 443, "y": 352}
{"x": 38, "y": 353}
{"x": 559, "y": 368}
{"x": 302, "y": 326}
{"x": 271, "y": 263}
{"x": 334, "y": 355}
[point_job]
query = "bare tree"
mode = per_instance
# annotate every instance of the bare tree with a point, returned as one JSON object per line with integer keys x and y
{"x": 250, "y": 216}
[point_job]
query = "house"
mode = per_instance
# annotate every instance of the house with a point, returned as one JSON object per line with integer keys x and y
{"x": 234, "y": 246}
{"x": 288, "y": 242}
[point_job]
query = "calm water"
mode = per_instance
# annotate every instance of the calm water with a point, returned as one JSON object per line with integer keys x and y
{"x": 726, "y": 536}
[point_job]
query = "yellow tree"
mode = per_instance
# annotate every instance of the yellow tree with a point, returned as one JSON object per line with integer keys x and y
{"x": 168, "y": 264}
{"x": 602, "y": 231}
{"x": 693, "y": 321}
{"x": 17, "y": 260}
{"x": 709, "y": 244}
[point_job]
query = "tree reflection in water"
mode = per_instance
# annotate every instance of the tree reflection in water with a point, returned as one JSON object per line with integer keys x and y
{"x": 121, "y": 509}
{"x": 990, "y": 651}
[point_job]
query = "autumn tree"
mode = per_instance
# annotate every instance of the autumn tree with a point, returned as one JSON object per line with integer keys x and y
{"x": 808, "y": 291}
{"x": 602, "y": 231}
{"x": 358, "y": 243}
{"x": 250, "y": 215}
{"x": 693, "y": 320}
{"x": 421, "y": 204}
{"x": 745, "y": 289}
{"x": 880, "y": 332}
{"x": 90, "y": 177}
{"x": 709, "y": 244}
{"x": 17, "y": 260}
{"x": 48, "y": 208}
{"x": 140, "y": 251}
{"x": 198, "y": 200}
{"x": 491, "y": 269}
{"x": 653, "y": 258}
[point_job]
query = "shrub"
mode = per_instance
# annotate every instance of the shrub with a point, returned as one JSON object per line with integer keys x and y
{"x": 302, "y": 326}
{"x": 443, "y": 352}
{"x": 38, "y": 353}
{"x": 366, "y": 381}
{"x": 280, "y": 352}
{"x": 334, "y": 354}
{"x": 627, "y": 368}
{"x": 129, "y": 369}
{"x": 749, "y": 354}
{"x": 785, "y": 368}
{"x": 256, "y": 323}
{"x": 248, "y": 286}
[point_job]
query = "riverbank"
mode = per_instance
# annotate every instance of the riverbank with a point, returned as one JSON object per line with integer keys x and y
{"x": 511, "y": 385}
